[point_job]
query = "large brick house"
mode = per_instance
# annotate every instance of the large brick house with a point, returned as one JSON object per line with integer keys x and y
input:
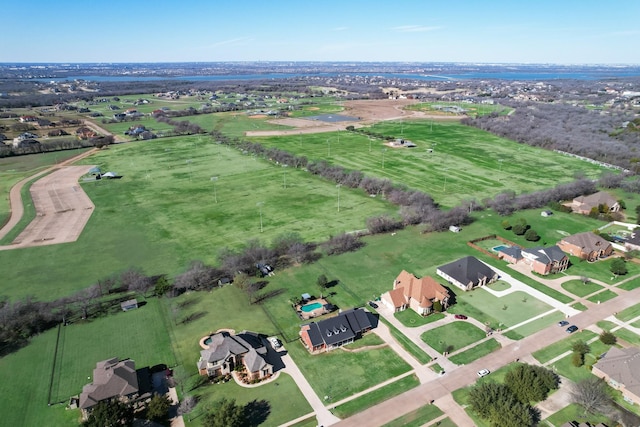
{"x": 586, "y": 245}
{"x": 620, "y": 367}
{"x": 542, "y": 260}
{"x": 467, "y": 273}
{"x": 337, "y": 331}
{"x": 227, "y": 351}
{"x": 418, "y": 294}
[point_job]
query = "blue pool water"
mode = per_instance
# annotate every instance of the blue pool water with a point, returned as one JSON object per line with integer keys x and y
{"x": 499, "y": 248}
{"x": 310, "y": 307}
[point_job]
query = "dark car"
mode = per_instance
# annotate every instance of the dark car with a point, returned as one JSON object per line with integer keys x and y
{"x": 571, "y": 329}
{"x": 563, "y": 323}
{"x": 373, "y": 304}
{"x": 460, "y": 316}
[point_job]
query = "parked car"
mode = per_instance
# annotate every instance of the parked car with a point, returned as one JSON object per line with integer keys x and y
{"x": 460, "y": 316}
{"x": 483, "y": 372}
{"x": 373, "y": 304}
{"x": 275, "y": 342}
{"x": 571, "y": 329}
{"x": 563, "y": 323}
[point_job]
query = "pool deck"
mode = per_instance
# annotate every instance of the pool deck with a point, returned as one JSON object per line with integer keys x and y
{"x": 313, "y": 313}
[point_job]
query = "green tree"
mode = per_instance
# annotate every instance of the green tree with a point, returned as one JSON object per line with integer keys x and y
{"x": 224, "y": 413}
{"x": 531, "y": 235}
{"x": 158, "y": 409}
{"x": 580, "y": 346}
{"x": 618, "y": 266}
{"x": 322, "y": 281}
{"x": 162, "y": 286}
{"x": 608, "y": 338}
{"x": 519, "y": 229}
{"x": 577, "y": 359}
{"x": 506, "y": 224}
{"x": 531, "y": 383}
{"x": 484, "y": 396}
{"x": 437, "y": 306}
{"x": 110, "y": 414}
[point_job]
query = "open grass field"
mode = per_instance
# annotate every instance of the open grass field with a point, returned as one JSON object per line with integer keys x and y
{"x": 417, "y": 418}
{"x": 535, "y": 325}
{"x": 411, "y": 319}
{"x": 565, "y": 366}
{"x": 25, "y": 375}
{"x": 574, "y": 412}
{"x": 465, "y": 162}
{"x": 556, "y": 349}
{"x": 476, "y": 352}
{"x": 578, "y": 288}
{"x": 356, "y": 371}
{"x": 407, "y": 344}
{"x": 373, "y": 398}
{"x": 456, "y": 335}
{"x": 603, "y": 296}
{"x": 629, "y": 313}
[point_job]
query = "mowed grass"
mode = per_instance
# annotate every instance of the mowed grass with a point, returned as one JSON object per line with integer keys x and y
{"x": 357, "y": 371}
{"x": 162, "y": 214}
{"x": 25, "y": 375}
{"x": 556, "y": 349}
{"x": 457, "y": 335}
{"x": 138, "y": 334}
{"x": 411, "y": 319}
{"x": 475, "y": 163}
{"x": 417, "y": 418}
{"x": 578, "y": 288}
{"x": 476, "y": 352}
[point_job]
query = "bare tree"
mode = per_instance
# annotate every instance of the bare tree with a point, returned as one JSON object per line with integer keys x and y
{"x": 135, "y": 280}
{"x": 592, "y": 395}
{"x": 86, "y": 297}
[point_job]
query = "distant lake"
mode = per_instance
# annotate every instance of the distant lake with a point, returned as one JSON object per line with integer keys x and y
{"x": 529, "y": 74}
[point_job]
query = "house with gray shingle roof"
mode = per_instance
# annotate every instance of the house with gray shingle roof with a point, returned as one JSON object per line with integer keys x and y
{"x": 112, "y": 379}
{"x": 620, "y": 367}
{"x": 586, "y": 245}
{"x": 467, "y": 273}
{"x": 227, "y": 351}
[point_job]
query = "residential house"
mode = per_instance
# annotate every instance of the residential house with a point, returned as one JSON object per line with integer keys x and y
{"x": 586, "y": 245}
{"x": 584, "y": 204}
{"x": 545, "y": 261}
{"x": 227, "y": 351}
{"x": 418, "y": 294}
{"x": 620, "y": 367}
{"x": 467, "y": 273}
{"x": 112, "y": 379}
{"x": 511, "y": 254}
{"x": 85, "y": 132}
{"x": 27, "y": 119}
{"x": 337, "y": 331}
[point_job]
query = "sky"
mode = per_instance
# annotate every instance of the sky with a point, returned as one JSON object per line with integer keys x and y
{"x": 477, "y": 31}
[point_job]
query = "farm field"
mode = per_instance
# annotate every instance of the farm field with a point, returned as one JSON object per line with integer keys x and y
{"x": 465, "y": 163}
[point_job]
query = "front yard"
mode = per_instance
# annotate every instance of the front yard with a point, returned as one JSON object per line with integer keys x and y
{"x": 452, "y": 336}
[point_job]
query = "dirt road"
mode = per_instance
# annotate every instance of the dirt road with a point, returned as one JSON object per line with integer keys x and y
{"x": 62, "y": 206}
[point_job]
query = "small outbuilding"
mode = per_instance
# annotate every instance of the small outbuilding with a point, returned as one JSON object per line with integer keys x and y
{"x": 131, "y": 304}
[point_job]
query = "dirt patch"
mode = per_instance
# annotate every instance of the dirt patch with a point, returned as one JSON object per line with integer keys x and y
{"x": 258, "y": 116}
{"x": 62, "y": 209}
{"x": 367, "y": 111}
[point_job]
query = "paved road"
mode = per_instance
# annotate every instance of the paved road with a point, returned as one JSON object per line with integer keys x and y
{"x": 465, "y": 375}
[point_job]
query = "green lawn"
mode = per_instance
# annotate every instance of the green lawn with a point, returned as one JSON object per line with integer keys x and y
{"x": 535, "y": 325}
{"x": 417, "y": 418}
{"x": 629, "y": 313}
{"x": 476, "y": 352}
{"x": 628, "y": 336}
{"x": 411, "y": 319}
{"x": 286, "y": 401}
{"x": 377, "y": 396}
{"x": 479, "y": 171}
{"x": 499, "y": 285}
{"x": 603, "y": 296}
{"x": 407, "y": 344}
{"x": 578, "y": 288}
{"x": 557, "y": 348}
{"x": 456, "y": 334}
{"x": 138, "y": 334}
{"x": 357, "y": 371}
{"x": 574, "y": 412}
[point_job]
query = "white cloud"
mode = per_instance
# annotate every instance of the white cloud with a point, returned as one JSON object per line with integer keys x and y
{"x": 340, "y": 29}
{"x": 414, "y": 29}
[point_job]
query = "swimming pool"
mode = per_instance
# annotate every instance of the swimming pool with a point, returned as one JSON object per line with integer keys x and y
{"x": 500, "y": 248}
{"x": 310, "y": 307}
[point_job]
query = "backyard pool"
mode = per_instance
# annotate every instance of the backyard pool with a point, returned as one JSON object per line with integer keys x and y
{"x": 310, "y": 307}
{"x": 500, "y": 248}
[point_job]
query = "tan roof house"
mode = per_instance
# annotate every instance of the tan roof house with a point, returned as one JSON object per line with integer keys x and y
{"x": 112, "y": 379}
{"x": 584, "y": 204}
{"x": 586, "y": 245}
{"x": 418, "y": 294}
{"x": 620, "y": 367}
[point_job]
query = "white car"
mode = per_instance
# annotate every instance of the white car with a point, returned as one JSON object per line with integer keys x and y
{"x": 483, "y": 372}
{"x": 275, "y": 342}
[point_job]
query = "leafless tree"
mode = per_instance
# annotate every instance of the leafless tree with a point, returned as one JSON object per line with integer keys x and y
{"x": 592, "y": 395}
{"x": 86, "y": 297}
